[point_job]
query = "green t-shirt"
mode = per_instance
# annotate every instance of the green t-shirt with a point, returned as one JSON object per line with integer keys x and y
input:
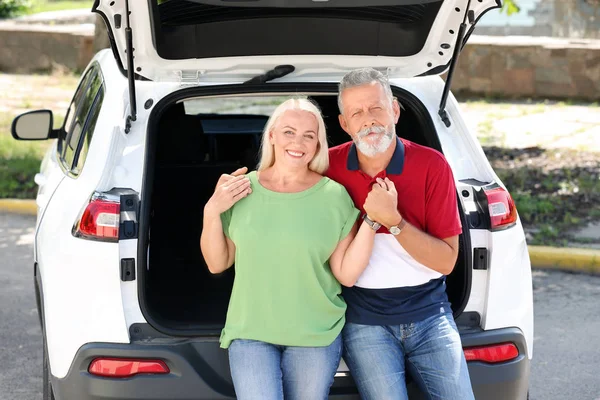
{"x": 284, "y": 292}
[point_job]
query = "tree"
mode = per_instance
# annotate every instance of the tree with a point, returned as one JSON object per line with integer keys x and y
{"x": 510, "y": 6}
{"x": 11, "y": 8}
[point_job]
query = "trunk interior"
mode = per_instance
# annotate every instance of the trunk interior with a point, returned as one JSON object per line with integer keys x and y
{"x": 197, "y": 140}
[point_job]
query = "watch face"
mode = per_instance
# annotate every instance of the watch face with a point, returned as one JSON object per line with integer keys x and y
{"x": 394, "y": 230}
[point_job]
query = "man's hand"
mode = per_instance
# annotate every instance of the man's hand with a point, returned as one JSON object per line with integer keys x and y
{"x": 228, "y": 191}
{"x": 227, "y": 177}
{"x": 227, "y": 194}
{"x": 381, "y": 204}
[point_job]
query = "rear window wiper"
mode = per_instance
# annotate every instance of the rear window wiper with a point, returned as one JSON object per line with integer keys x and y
{"x": 277, "y": 72}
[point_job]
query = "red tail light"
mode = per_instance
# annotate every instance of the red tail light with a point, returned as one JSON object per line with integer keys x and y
{"x": 503, "y": 212}
{"x": 99, "y": 221}
{"x": 125, "y": 368}
{"x": 492, "y": 354}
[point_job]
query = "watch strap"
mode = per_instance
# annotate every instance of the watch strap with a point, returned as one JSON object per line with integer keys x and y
{"x": 374, "y": 225}
{"x": 400, "y": 227}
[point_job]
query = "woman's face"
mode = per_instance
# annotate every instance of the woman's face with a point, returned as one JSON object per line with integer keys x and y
{"x": 295, "y": 138}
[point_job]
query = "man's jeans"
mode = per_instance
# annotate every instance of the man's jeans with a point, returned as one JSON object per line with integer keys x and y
{"x": 430, "y": 350}
{"x": 263, "y": 371}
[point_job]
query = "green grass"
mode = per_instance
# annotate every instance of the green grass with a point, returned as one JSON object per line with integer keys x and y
{"x": 554, "y": 202}
{"x": 19, "y": 162}
{"x": 537, "y": 109}
{"x": 58, "y": 5}
{"x": 11, "y": 149}
{"x": 485, "y": 128}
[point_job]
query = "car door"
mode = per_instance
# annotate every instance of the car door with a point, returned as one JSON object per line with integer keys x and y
{"x": 63, "y": 266}
{"x": 53, "y": 168}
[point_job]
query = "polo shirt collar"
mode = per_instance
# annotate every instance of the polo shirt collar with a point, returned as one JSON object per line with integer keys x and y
{"x": 395, "y": 166}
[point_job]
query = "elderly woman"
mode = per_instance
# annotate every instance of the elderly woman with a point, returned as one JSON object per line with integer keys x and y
{"x": 294, "y": 237}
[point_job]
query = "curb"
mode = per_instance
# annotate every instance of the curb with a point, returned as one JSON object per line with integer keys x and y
{"x": 18, "y": 206}
{"x": 542, "y": 257}
{"x": 565, "y": 259}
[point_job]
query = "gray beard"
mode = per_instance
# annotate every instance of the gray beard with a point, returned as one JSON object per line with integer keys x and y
{"x": 371, "y": 150}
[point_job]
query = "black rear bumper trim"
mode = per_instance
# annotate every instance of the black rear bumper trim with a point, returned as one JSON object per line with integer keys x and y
{"x": 199, "y": 370}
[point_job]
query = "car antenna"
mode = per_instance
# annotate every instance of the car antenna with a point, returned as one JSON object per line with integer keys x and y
{"x": 130, "y": 72}
{"x": 470, "y": 14}
{"x": 277, "y": 72}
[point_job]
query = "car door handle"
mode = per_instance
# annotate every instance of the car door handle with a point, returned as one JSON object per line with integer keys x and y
{"x": 40, "y": 179}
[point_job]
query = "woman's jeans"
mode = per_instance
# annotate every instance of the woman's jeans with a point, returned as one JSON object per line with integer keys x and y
{"x": 264, "y": 371}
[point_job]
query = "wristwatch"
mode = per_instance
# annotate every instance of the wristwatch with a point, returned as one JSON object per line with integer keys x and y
{"x": 396, "y": 229}
{"x": 374, "y": 225}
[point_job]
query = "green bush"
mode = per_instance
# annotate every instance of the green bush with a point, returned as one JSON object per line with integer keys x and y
{"x": 19, "y": 162}
{"x": 11, "y": 8}
{"x": 16, "y": 178}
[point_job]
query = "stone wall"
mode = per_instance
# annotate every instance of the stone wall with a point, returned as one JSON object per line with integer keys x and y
{"x": 532, "y": 67}
{"x": 26, "y": 49}
{"x": 515, "y": 67}
{"x": 101, "y": 40}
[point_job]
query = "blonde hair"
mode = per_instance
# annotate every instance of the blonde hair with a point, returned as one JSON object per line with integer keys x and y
{"x": 320, "y": 161}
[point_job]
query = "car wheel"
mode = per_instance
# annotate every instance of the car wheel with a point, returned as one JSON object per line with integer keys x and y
{"x": 47, "y": 388}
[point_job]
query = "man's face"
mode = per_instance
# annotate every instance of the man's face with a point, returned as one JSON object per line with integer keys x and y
{"x": 369, "y": 117}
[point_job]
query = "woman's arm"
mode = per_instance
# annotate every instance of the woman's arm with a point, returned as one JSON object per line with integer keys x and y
{"x": 352, "y": 254}
{"x": 217, "y": 249}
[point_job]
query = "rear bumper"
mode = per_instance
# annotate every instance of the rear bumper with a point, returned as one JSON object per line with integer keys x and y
{"x": 200, "y": 370}
{"x": 509, "y": 380}
{"x": 503, "y": 381}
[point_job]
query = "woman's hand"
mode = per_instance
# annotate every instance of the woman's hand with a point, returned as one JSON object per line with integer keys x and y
{"x": 228, "y": 193}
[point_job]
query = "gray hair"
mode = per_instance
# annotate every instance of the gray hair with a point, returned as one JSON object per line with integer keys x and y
{"x": 363, "y": 76}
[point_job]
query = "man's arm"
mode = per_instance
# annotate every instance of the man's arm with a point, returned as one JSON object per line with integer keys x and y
{"x": 438, "y": 254}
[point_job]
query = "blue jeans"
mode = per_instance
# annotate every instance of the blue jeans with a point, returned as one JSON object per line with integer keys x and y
{"x": 379, "y": 356}
{"x": 264, "y": 371}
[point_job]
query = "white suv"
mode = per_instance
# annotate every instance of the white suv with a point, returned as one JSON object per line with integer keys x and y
{"x": 127, "y": 306}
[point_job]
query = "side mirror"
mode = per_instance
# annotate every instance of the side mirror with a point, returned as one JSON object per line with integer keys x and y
{"x": 34, "y": 125}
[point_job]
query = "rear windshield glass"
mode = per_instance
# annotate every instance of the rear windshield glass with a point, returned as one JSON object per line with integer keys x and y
{"x": 255, "y": 105}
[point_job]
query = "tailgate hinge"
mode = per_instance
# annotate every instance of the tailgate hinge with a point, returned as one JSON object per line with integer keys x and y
{"x": 470, "y": 15}
{"x": 130, "y": 72}
{"x": 189, "y": 77}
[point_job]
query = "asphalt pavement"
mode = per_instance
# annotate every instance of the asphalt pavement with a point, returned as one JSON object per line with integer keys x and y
{"x": 20, "y": 335}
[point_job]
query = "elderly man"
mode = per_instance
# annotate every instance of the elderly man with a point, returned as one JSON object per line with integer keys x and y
{"x": 399, "y": 319}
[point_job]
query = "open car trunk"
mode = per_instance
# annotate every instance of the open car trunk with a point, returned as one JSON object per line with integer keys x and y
{"x": 193, "y": 142}
{"x": 235, "y": 40}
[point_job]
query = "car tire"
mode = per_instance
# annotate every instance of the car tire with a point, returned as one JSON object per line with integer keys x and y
{"x": 47, "y": 393}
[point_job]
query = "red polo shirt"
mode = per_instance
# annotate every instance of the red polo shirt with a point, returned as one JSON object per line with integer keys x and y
{"x": 423, "y": 179}
{"x": 395, "y": 288}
